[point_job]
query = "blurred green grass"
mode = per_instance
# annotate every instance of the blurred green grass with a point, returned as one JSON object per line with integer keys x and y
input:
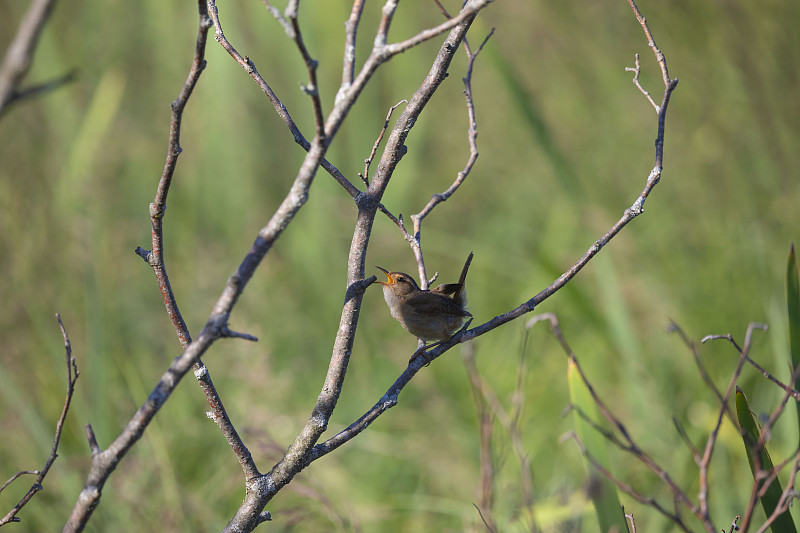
{"x": 565, "y": 146}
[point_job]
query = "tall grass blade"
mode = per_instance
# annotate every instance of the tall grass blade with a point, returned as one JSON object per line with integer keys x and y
{"x": 750, "y": 435}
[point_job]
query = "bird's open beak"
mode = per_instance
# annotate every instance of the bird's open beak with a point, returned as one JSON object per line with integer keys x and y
{"x": 390, "y": 278}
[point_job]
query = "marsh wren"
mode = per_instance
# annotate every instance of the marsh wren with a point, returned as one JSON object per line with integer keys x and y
{"x": 430, "y": 315}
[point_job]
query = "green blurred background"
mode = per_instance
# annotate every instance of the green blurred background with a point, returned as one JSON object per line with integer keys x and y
{"x": 566, "y": 143}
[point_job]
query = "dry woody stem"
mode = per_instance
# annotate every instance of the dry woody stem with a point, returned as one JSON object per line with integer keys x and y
{"x": 72, "y": 378}
{"x": 306, "y": 447}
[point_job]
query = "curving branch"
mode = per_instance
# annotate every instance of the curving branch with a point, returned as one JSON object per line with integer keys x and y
{"x": 636, "y": 209}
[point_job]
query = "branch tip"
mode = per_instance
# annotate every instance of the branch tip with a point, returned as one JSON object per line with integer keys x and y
{"x": 93, "y": 446}
{"x": 229, "y": 333}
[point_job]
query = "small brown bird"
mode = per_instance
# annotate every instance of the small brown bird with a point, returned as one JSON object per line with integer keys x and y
{"x": 431, "y": 315}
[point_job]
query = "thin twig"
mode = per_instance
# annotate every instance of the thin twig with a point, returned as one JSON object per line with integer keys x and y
{"x": 368, "y": 161}
{"x": 247, "y": 64}
{"x": 275, "y": 12}
{"x": 485, "y": 432}
{"x": 72, "y": 378}
{"x": 789, "y": 390}
{"x": 651, "y": 42}
{"x": 674, "y": 517}
{"x": 787, "y": 497}
{"x": 636, "y": 69}
{"x": 700, "y": 367}
{"x": 92, "y": 440}
{"x": 312, "y": 88}
{"x": 32, "y": 91}
{"x": 705, "y": 463}
{"x": 682, "y": 432}
{"x": 483, "y": 519}
{"x": 632, "y": 521}
{"x": 628, "y": 445}
{"x": 17, "y": 475}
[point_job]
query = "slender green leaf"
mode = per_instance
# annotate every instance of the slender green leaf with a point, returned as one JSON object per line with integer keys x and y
{"x": 793, "y": 310}
{"x": 750, "y": 435}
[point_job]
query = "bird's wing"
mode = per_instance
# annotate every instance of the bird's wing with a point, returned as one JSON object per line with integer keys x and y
{"x": 447, "y": 289}
{"x": 423, "y": 304}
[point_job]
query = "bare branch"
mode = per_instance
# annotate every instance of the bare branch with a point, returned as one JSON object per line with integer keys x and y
{"x": 305, "y": 448}
{"x": 629, "y": 445}
{"x": 662, "y": 62}
{"x": 92, "y": 440}
{"x": 705, "y": 463}
{"x": 300, "y": 454}
{"x": 247, "y": 64}
{"x": 72, "y": 378}
{"x": 368, "y": 161}
{"x": 701, "y": 368}
{"x": 682, "y": 432}
{"x": 632, "y": 212}
{"x": 351, "y": 29}
{"x": 469, "y": 11}
{"x": 18, "y": 57}
{"x": 32, "y": 91}
{"x": 312, "y": 89}
{"x": 17, "y": 475}
{"x": 275, "y": 12}
{"x": 636, "y": 71}
{"x": 628, "y": 489}
{"x": 262, "y": 488}
{"x": 472, "y": 139}
{"x": 155, "y": 258}
{"x": 788, "y": 389}
{"x": 104, "y": 462}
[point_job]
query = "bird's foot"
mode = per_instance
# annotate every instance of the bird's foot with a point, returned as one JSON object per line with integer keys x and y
{"x": 422, "y": 351}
